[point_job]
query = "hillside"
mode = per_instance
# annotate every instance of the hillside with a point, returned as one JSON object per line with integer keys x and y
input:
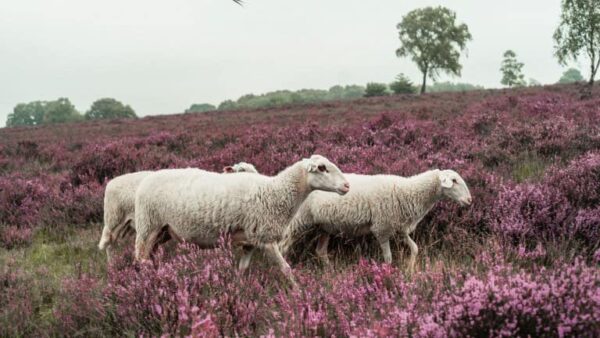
{"x": 531, "y": 158}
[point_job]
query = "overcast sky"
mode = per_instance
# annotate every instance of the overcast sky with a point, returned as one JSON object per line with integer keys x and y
{"x": 161, "y": 56}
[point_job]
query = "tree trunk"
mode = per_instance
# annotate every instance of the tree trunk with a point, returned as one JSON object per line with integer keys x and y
{"x": 424, "y": 82}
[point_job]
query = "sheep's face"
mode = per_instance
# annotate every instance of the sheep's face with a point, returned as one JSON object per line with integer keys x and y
{"x": 454, "y": 187}
{"x": 241, "y": 167}
{"x": 324, "y": 175}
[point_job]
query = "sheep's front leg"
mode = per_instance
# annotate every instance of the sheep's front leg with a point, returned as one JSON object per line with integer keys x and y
{"x": 245, "y": 260}
{"x": 414, "y": 250}
{"x": 322, "y": 249}
{"x": 273, "y": 250}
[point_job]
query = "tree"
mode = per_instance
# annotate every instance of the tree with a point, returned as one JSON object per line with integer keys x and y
{"x": 376, "y": 89}
{"x": 109, "y": 108}
{"x": 579, "y": 33}
{"x": 571, "y": 75}
{"x": 440, "y": 87}
{"x": 200, "y": 108}
{"x": 27, "y": 114}
{"x": 402, "y": 85}
{"x": 534, "y": 83}
{"x": 61, "y": 111}
{"x": 511, "y": 69}
{"x": 434, "y": 41}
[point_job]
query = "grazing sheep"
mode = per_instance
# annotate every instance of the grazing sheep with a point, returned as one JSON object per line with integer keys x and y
{"x": 381, "y": 204}
{"x": 198, "y": 206}
{"x": 119, "y": 204}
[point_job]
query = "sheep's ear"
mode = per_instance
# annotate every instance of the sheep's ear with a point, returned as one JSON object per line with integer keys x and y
{"x": 446, "y": 181}
{"x": 228, "y": 169}
{"x": 310, "y": 165}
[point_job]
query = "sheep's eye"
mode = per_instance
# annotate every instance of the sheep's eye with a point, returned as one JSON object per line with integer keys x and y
{"x": 322, "y": 168}
{"x": 454, "y": 181}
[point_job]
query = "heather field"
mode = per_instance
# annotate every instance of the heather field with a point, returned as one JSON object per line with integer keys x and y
{"x": 522, "y": 260}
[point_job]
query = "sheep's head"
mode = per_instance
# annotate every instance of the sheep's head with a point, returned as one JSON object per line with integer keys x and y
{"x": 454, "y": 187}
{"x": 241, "y": 167}
{"x": 324, "y": 175}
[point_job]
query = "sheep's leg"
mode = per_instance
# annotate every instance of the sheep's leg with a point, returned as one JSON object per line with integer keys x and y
{"x": 245, "y": 260}
{"x": 322, "y": 249}
{"x": 145, "y": 244}
{"x": 385, "y": 249}
{"x": 273, "y": 250}
{"x": 414, "y": 250}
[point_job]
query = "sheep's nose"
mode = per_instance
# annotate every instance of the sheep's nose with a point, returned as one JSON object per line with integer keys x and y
{"x": 469, "y": 200}
{"x": 346, "y": 187}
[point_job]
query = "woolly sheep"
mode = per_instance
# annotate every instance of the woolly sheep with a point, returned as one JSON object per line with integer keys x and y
{"x": 381, "y": 204}
{"x": 198, "y": 206}
{"x": 119, "y": 204}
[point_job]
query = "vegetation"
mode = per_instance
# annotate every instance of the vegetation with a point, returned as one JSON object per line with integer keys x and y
{"x": 434, "y": 40}
{"x": 200, "y": 108}
{"x": 521, "y": 261}
{"x": 579, "y": 33}
{"x": 452, "y": 87}
{"x": 571, "y": 75}
{"x": 402, "y": 85}
{"x": 43, "y": 112}
{"x": 108, "y": 108}
{"x": 511, "y": 69}
{"x": 376, "y": 89}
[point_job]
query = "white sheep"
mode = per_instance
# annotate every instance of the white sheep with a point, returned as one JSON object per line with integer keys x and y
{"x": 198, "y": 206}
{"x": 119, "y": 204}
{"x": 380, "y": 204}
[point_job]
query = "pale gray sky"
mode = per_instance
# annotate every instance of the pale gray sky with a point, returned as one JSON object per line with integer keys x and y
{"x": 161, "y": 56}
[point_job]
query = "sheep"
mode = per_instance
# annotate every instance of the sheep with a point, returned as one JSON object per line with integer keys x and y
{"x": 119, "y": 204}
{"x": 381, "y": 204}
{"x": 197, "y": 206}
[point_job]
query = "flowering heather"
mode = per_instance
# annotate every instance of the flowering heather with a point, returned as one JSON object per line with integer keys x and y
{"x": 522, "y": 260}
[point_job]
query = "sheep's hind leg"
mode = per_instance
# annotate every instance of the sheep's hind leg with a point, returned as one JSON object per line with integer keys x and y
{"x": 245, "y": 260}
{"x": 414, "y": 250}
{"x": 322, "y": 249}
{"x": 273, "y": 250}
{"x": 384, "y": 243}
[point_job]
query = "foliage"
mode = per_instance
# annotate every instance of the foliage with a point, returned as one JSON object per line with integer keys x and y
{"x": 287, "y": 97}
{"x": 200, "y": 108}
{"x": 571, "y": 75}
{"x": 511, "y": 69}
{"x": 43, "y": 112}
{"x": 434, "y": 41}
{"x": 402, "y": 85}
{"x": 439, "y": 87}
{"x": 579, "y": 33}
{"x": 522, "y": 260}
{"x": 376, "y": 89}
{"x": 109, "y": 108}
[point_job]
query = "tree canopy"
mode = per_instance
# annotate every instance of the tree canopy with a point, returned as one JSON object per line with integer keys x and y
{"x": 42, "y": 112}
{"x": 579, "y": 33}
{"x": 512, "y": 70}
{"x": 571, "y": 75}
{"x": 109, "y": 108}
{"x": 434, "y": 40}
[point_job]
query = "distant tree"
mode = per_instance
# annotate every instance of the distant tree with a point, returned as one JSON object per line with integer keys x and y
{"x": 227, "y": 105}
{"x": 571, "y": 75}
{"x": 200, "y": 108}
{"x": 579, "y": 33}
{"x": 402, "y": 85}
{"x": 439, "y": 87}
{"x": 376, "y": 89}
{"x": 511, "y": 69}
{"x": 27, "y": 114}
{"x": 108, "y": 108}
{"x": 434, "y": 41}
{"x": 534, "y": 83}
{"x": 61, "y": 111}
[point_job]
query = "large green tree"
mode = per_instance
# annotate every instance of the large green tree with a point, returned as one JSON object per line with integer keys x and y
{"x": 571, "y": 75}
{"x": 27, "y": 114}
{"x": 579, "y": 33}
{"x": 109, "y": 108}
{"x": 60, "y": 111}
{"x": 434, "y": 40}
{"x": 512, "y": 74}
